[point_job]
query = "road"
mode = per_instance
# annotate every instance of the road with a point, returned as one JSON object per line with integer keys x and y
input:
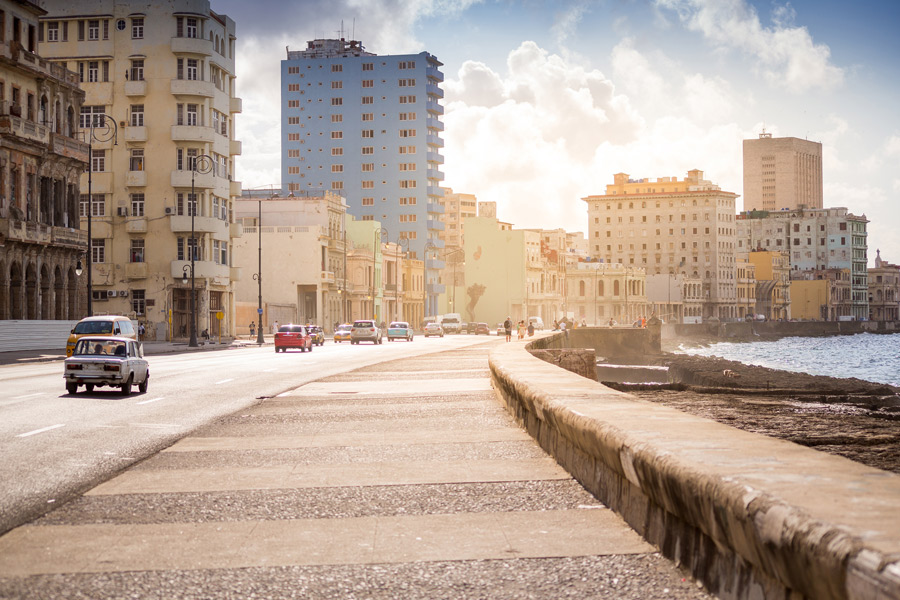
{"x": 54, "y": 445}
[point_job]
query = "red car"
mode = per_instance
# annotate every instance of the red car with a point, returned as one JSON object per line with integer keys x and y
{"x": 293, "y": 336}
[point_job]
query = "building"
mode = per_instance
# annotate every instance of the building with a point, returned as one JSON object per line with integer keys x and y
{"x": 299, "y": 242}
{"x": 457, "y": 208}
{"x": 158, "y": 114}
{"x": 746, "y": 288}
{"x": 816, "y": 241}
{"x": 810, "y": 299}
{"x": 598, "y": 292}
{"x": 42, "y": 243}
{"x": 773, "y": 284}
{"x": 782, "y": 173}
{"x": 884, "y": 290}
{"x": 368, "y": 127}
{"x": 671, "y": 227}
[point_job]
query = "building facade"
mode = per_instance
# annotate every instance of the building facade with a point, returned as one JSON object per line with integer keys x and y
{"x": 158, "y": 115}
{"x": 672, "y": 227}
{"x": 42, "y": 244}
{"x": 782, "y": 173}
{"x": 600, "y": 294}
{"x": 884, "y": 290}
{"x": 772, "y": 271}
{"x": 368, "y": 127}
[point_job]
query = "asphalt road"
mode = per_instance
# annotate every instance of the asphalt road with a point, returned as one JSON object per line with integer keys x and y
{"x": 54, "y": 445}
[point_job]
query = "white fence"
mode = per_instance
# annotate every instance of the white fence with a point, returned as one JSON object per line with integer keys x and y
{"x": 35, "y": 335}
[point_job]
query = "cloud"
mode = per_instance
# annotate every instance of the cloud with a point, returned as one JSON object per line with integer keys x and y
{"x": 786, "y": 54}
{"x": 566, "y": 21}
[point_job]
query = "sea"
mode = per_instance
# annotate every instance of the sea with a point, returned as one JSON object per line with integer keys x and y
{"x": 867, "y": 356}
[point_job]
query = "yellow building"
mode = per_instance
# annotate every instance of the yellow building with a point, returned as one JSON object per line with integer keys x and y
{"x": 414, "y": 291}
{"x": 810, "y": 299}
{"x": 746, "y": 288}
{"x": 773, "y": 281}
{"x": 42, "y": 243}
{"x": 669, "y": 226}
{"x": 158, "y": 114}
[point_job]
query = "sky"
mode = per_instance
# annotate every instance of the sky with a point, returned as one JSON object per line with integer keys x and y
{"x": 546, "y": 100}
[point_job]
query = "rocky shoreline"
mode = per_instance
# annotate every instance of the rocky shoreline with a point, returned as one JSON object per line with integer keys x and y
{"x": 857, "y": 419}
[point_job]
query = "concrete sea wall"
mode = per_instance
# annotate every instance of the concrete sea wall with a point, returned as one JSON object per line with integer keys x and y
{"x": 750, "y": 516}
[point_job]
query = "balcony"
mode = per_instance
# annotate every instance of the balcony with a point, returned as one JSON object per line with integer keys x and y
{"x": 235, "y": 188}
{"x": 11, "y": 125}
{"x": 434, "y": 123}
{"x": 136, "y": 270}
{"x": 69, "y": 147}
{"x": 434, "y": 73}
{"x": 190, "y": 87}
{"x": 182, "y": 224}
{"x": 237, "y": 105}
{"x": 136, "y": 179}
{"x": 182, "y": 179}
{"x": 327, "y": 277}
{"x": 235, "y": 148}
{"x": 434, "y": 225}
{"x": 434, "y": 107}
{"x": 187, "y": 45}
{"x": 138, "y": 225}
{"x": 434, "y": 157}
{"x": 434, "y": 264}
{"x": 136, "y": 88}
{"x": 192, "y": 133}
{"x": 236, "y": 230}
{"x": 435, "y": 208}
{"x": 69, "y": 237}
{"x": 204, "y": 269}
{"x": 135, "y": 134}
{"x": 435, "y": 175}
{"x": 27, "y": 232}
{"x": 435, "y": 191}
{"x": 236, "y": 273}
{"x": 434, "y": 289}
{"x": 434, "y": 140}
{"x": 433, "y": 90}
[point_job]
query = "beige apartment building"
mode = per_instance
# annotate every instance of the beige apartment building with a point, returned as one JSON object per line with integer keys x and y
{"x": 42, "y": 243}
{"x": 159, "y": 81}
{"x": 884, "y": 290}
{"x": 782, "y": 173}
{"x": 773, "y": 284}
{"x": 457, "y": 208}
{"x": 599, "y": 293}
{"x": 668, "y": 226}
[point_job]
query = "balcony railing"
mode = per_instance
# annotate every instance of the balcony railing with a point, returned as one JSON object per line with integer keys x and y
{"x": 182, "y": 224}
{"x": 69, "y": 147}
{"x": 11, "y": 125}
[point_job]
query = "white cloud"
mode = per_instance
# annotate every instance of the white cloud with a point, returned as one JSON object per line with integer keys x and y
{"x": 786, "y": 55}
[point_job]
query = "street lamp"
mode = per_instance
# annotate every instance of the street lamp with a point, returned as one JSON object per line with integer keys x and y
{"x": 402, "y": 249}
{"x": 455, "y": 263}
{"x": 428, "y": 246}
{"x": 102, "y": 128}
{"x": 199, "y": 164}
{"x": 381, "y": 235}
{"x": 258, "y": 276}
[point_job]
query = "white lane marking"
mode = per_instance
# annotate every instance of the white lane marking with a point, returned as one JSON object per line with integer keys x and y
{"x": 37, "y": 431}
{"x": 154, "y": 400}
{"x": 28, "y": 396}
{"x": 224, "y": 381}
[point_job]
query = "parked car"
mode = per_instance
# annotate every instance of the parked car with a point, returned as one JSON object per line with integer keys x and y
{"x": 366, "y": 330}
{"x": 292, "y": 336}
{"x": 106, "y": 361}
{"x": 482, "y": 328}
{"x": 399, "y": 330}
{"x": 106, "y": 325}
{"x": 317, "y": 334}
{"x": 501, "y": 330}
{"x": 342, "y": 333}
{"x": 433, "y": 329}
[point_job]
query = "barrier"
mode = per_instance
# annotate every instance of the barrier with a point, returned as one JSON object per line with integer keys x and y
{"x": 750, "y": 516}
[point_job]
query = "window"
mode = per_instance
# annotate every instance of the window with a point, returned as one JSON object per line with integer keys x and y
{"x": 137, "y": 160}
{"x": 137, "y": 250}
{"x": 53, "y": 31}
{"x": 337, "y": 85}
{"x": 137, "y": 115}
{"x": 407, "y": 166}
{"x": 406, "y": 83}
{"x": 368, "y": 117}
{"x": 98, "y": 160}
{"x": 184, "y": 158}
{"x": 368, "y": 167}
{"x": 137, "y": 204}
{"x": 93, "y": 30}
{"x": 368, "y": 201}
{"x": 98, "y": 206}
{"x": 337, "y": 68}
{"x": 337, "y": 101}
{"x": 337, "y": 135}
{"x": 407, "y": 99}
{"x": 407, "y": 133}
{"x": 367, "y": 83}
{"x": 187, "y": 204}
{"x": 192, "y": 114}
{"x": 407, "y": 183}
{"x": 191, "y": 29}
{"x": 93, "y": 71}
{"x": 366, "y": 150}
{"x": 137, "y": 70}
{"x": 293, "y": 87}
{"x": 408, "y": 116}
{"x": 89, "y": 113}
{"x": 293, "y": 70}
{"x": 368, "y": 100}
{"x": 368, "y": 133}
{"x": 337, "y": 118}
{"x": 293, "y": 103}
{"x": 337, "y": 168}
{"x": 407, "y": 64}
{"x": 98, "y": 250}
{"x": 368, "y": 67}
{"x": 137, "y": 28}
{"x": 368, "y": 185}
{"x": 334, "y": 152}
{"x": 192, "y": 68}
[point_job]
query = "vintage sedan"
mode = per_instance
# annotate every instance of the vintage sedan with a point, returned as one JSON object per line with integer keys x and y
{"x": 293, "y": 336}
{"x": 318, "y": 336}
{"x": 342, "y": 333}
{"x": 400, "y": 330}
{"x": 434, "y": 329}
{"x": 107, "y": 361}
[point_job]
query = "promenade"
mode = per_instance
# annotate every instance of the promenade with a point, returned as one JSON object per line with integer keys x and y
{"x": 408, "y": 479}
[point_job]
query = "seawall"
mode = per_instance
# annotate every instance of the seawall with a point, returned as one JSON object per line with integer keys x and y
{"x": 756, "y": 330}
{"x": 750, "y": 516}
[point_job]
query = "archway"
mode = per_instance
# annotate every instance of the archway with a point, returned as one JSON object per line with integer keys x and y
{"x": 16, "y": 292}
{"x": 44, "y": 303}
{"x": 4, "y": 292}
{"x": 72, "y": 294}
{"x": 59, "y": 295}
{"x": 31, "y": 293}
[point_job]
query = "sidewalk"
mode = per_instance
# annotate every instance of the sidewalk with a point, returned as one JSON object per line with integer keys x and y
{"x": 150, "y": 348}
{"x": 406, "y": 479}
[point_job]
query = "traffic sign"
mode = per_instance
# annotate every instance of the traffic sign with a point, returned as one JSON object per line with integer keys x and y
{"x": 259, "y": 310}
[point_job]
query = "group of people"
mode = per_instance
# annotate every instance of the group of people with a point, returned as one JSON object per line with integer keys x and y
{"x": 521, "y": 328}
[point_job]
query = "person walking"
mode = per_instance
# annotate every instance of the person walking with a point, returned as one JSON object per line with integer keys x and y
{"x": 141, "y": 332}
{"x": 521, "y": 329}
{"x": 507, "y": 327}
{"x": 252, "y": 329}
{"x": 530, "y": 329}
{"x": 274, "y": 327}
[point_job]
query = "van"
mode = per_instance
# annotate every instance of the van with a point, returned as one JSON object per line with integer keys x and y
{"x": 537, "y": 322}
{"x": 106, "y": 325}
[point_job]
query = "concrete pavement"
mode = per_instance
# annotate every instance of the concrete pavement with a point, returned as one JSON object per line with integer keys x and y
{"x": 404, "y": 479}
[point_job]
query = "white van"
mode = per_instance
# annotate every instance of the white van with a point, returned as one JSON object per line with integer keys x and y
{"x": 537, "y": 322}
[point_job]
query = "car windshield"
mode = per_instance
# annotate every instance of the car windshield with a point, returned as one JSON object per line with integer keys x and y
{"x": 364, "y": 324}
{"x": 285, "y": 329}
{"x": 100, "y": 348}
{"x": 399, "y": 325}
{"x": 93, "y": 327}
{"x": 344, "y": 327}
{"x": 296, "y": 329}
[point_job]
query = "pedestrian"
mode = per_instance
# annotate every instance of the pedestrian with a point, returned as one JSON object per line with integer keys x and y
{"x": 555, "y": 325}
{"x": 507, "y": 327}
{"x": 521, "y": 330}
{"x": 530, "y": 329}
{"x": 583, "y": 323}
{"x": 562, "y": 327}
{"x": 141, "y": 332}
{"x": 612, "y": 321}
{"x": 274, "y": 327}
{"x": 252, "y": 329}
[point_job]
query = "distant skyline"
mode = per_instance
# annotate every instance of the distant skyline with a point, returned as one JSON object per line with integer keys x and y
{"x": 545, "y": 100}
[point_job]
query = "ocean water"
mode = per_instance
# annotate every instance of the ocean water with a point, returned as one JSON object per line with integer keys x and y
{"x": 867, "y": 356}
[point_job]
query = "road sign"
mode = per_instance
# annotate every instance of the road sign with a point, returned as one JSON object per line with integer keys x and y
{"x": 220, "y": 315}
{"x": 259, "y": 311}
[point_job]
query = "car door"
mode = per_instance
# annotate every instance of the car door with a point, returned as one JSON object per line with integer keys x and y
{"x": 139, "y": 364}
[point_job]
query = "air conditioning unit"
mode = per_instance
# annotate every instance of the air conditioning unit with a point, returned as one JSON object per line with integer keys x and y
{"x": 170, "y": 210}
{"x": 122, "y": 211}
{"x": 110, "y": 293}
{"x": 123, "y": 294}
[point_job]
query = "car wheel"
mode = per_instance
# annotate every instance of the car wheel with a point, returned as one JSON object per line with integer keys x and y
{"x": 126, "y": 387}
{"x": 88, "y": 388}
{"x": 72, "y": 387}
{"x": 142, "y": 386}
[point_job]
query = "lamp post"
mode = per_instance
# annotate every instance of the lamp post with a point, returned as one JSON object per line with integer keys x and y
{"x": 102, "y": 128}
{"x": 455, "y": 263}
{"x": 258, "y": 276}
{"x": 428, "y": 246}
{"x": 402, "y": 249}
{"x": 381, "y": 234}
{"x": 199, "y": 164}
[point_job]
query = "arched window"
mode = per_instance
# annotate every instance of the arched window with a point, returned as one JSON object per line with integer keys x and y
{"x": 581, "y": 288}
{"x": 600, "y": 288}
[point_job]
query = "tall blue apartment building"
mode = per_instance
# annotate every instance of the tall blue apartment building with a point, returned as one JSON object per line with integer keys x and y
{"x": 369, "y": 128}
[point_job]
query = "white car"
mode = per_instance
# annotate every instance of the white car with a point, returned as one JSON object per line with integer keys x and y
{"x": 107, "y": 361}
{"x": 434, "y": 329}
{"x": 366, "y": 330}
